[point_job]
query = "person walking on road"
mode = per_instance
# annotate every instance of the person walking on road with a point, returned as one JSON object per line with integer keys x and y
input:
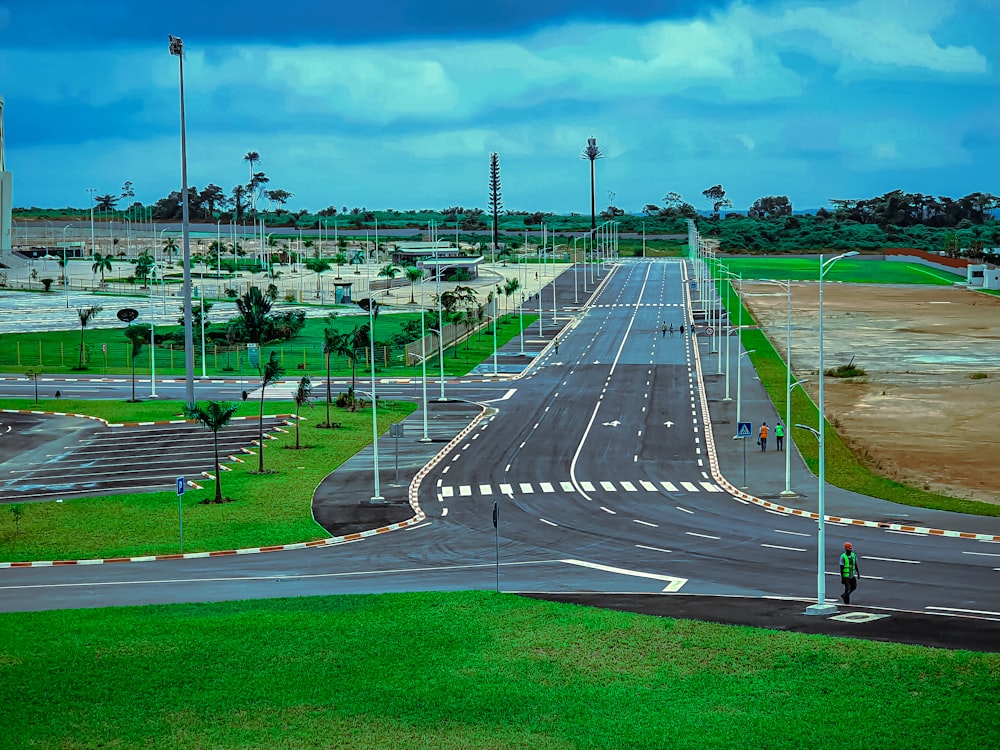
{"x": 849, "y": 572}
{"x": 556, "y": 342}
{"x": 682, "y": 329}
{"x": 671, "y": 330}
{"x": 663, "y": 331}
{"x": 779, "y": 435}
{"x": 762, "y": 437}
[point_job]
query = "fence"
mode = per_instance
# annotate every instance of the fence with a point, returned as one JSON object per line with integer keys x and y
{"x": 116, "y": 357}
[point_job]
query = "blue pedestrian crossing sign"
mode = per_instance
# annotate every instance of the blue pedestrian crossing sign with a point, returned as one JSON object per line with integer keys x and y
{"x": 744, "y": 429}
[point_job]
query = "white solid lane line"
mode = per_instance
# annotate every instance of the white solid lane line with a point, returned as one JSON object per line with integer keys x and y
{"x": 703, "y": 536}
{"x": 964, "y": 611}
{"x": 983, "y": 554}
{"x": 890, "y": 559}
{"x": 654, "y": 549}
{"x": 548, "y": 522}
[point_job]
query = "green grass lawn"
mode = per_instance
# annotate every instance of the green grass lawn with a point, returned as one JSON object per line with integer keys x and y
{"x": 58, "y": 352}
{"x": 470, "y": 670}
{"x": 268, "y": 509}
{"x": 850, "y": 270}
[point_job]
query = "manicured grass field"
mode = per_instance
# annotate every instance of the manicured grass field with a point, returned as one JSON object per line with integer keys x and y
{"x": 268, "y": 509}
{"x": 850, "y": 270}
{"x": 470, "y": 670}
{"x": 58, "y": 352}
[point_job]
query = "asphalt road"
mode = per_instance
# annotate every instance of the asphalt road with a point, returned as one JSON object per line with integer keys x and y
{"x": 599, "y": 461}
{"x": 88, "y": 458}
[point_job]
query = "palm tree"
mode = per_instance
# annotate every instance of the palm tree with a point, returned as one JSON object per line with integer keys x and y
{"x": 215, "y": 415}
{"x": 413, "y": 275}
{"x": 338, "y": 260}
{"x": 359, "y": 341}
{"x": 143, "y": 265}
{"x": 269, "y": 374}
{"x": 388, "y": 272}
{"x": 302, "y": 397}
{"x": 592, "y": 153}
{"x": 254, "y": 307}
{"x": 317, "y": 265}
{"x": 252, "y": 158}
{"x": 510, "y": 287}
{"x": 342, "y": 345}
{"x": 170, "y": 247}
{"x": 86, "y": 313}
{"x": 102, "y": 263}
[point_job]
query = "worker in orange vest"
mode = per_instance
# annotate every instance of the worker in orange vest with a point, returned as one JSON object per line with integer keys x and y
{"x": 762, "y": 437}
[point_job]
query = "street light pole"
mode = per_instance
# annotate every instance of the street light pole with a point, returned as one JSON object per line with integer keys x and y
{"x": 93, "y": 192}
{"x": 787, "y": 492}
{"x": 423, "y": 362}
{"x": 177, "y": 49}
{"x": 821, "y": 607}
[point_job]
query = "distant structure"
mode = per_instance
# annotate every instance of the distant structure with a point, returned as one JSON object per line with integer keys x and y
{"x": 6, "y": 197}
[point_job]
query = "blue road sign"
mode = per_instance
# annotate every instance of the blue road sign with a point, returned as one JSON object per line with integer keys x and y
{"x": 181, "y": 484}
{"x": 744, "y": 429}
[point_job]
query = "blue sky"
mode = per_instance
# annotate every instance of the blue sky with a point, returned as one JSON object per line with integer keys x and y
{"x": 398, "y": 104}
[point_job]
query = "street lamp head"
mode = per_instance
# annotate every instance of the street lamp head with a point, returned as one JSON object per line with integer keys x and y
{"x": 813, "y": 430}
{"x": 176, "y": 45}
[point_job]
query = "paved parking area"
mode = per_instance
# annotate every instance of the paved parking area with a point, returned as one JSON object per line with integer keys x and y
{"x": 48, "y": 458}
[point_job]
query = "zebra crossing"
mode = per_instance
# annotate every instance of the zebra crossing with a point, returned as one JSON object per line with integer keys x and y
{"x": 549, "y": 488}
{"x": 632, "y": 305}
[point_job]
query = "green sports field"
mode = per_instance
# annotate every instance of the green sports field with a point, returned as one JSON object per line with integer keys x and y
{"x": 856, "y": 270}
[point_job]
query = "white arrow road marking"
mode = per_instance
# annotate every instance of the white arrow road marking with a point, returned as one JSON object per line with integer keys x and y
{"x": 668, "y": 423}
{"x": 611, "y": 424}
{"x": 674, "y": 584}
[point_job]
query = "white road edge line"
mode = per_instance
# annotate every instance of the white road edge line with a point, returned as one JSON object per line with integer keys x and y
{"x": 675, "y": 583}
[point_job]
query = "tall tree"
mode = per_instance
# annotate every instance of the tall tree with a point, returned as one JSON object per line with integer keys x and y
{"x": 318, "y": 265}
{"x": 413, "y": 275}
{"x": 770, "y": 207}
{"x": 269, "y": 374}
{"x": 716, "y": 195}
{"x": 86, "y": 314}
{"x": 388, "y": 272}
{"x": 254, "y": 308}
{"x": 215, "y": 415}
{"x": 494, "y": 201}
{"x": 303, "y": 396}
{"x": 252, "y": 158}
{"x": 592, "y": 153}
{"x": 143, "y": 265}
{"x": 102, "y": 263}
{"x": 138, "y": 335}
{"x": 239, "y": 192}
{"x": 340, "y": 344}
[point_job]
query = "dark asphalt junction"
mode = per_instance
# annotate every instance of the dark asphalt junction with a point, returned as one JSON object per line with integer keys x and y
{"x": 88, "y": 458}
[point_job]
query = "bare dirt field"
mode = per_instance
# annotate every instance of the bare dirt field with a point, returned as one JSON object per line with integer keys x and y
{"x": 918, "y": 414}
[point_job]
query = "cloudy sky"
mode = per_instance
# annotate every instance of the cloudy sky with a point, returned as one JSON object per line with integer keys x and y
{"x": 396, "y": 104}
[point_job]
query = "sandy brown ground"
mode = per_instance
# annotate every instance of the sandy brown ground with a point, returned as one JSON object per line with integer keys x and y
{"x": 918, "y": 415}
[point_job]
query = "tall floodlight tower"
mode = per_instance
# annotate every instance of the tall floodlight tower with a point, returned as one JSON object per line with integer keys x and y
{"x": 6, "y": 180}
{"x": 592, "y": 153}
{"x": 177, "y": 49}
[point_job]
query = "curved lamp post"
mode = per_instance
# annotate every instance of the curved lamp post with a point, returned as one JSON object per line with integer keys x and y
{"x": 821, "y": 607}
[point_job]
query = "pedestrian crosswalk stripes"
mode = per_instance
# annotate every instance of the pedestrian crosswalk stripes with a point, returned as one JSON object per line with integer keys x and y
{"x": 548, "y": 488}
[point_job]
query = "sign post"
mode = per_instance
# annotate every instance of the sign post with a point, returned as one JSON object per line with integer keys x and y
{"x": 743, "y": 431}
{"x": 181, "y": 484}
{"x": 396, "y": 431}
